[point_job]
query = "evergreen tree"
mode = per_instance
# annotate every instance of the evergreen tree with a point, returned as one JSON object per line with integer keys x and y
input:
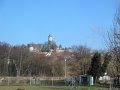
{"x": 107, "y": 58}
{"x": 12, "y": 69}
{"x": 46, "y": 47}
{"x": 95, "y": 69}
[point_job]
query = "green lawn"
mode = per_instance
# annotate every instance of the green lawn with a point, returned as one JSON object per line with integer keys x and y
{"x": 50, "y": 88}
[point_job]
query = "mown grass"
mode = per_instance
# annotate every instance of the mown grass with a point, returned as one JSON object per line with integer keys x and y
{"x": 51, "y": 88}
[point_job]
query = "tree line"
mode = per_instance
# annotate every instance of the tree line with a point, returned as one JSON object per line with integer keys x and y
{"x": 18, "y": 61}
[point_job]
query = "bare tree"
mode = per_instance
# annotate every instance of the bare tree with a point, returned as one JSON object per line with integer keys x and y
{"x": 114, "y": 41}
{"x": 20, "y": 55}
{"x": 83, "y": 58}
{"x": 4, "y": 53}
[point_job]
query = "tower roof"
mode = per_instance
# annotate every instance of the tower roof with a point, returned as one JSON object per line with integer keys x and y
{"x": 50, "y": 35}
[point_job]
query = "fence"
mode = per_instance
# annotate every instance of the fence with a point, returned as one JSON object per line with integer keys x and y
{"x": 38, "y": 81}
{"x": 42, "y": 81}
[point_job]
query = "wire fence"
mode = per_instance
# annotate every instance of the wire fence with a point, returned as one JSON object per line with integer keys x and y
{"x": 42, "y": 81}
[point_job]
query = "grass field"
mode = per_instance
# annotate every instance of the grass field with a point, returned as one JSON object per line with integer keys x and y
{"x": 50, "y": 88}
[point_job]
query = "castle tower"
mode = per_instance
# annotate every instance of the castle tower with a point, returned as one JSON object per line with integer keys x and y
{"x": 50, "y": 40}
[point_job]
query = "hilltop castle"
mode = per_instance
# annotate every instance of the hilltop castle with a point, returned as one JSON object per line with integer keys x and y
{"x": 50, "y": 46}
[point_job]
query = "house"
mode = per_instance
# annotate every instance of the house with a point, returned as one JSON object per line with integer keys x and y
{"x": 35, "y": 47}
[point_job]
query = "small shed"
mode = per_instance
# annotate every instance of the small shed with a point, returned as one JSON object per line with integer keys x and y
{"x": 86, "y": 80}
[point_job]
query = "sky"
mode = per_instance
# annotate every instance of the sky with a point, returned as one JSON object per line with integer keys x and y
{"x": 70, "y": 22}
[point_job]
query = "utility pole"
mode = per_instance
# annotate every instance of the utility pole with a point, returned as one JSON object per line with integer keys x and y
{"x": 65, "y": 68}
